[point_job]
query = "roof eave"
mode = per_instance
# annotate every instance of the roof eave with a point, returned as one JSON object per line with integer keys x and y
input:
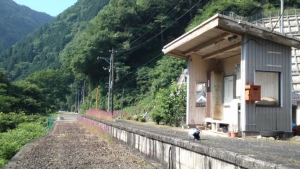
{"x": 242, "y": 28}
{"x": 210, "y": 23}
{"x": 230, "y": 25}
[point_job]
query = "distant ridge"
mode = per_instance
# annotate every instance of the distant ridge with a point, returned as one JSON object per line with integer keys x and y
{"x": 17, "y": 21}
{"x": 41, "y": 49}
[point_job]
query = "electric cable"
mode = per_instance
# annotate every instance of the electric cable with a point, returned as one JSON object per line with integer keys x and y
{"x": 157, "y": 22}
{"x": 255, "y": 42}
{"x": 150, "y": 39}
{"x": 279, "y": 18}
{"x": 142, "y": 65}
{"x": 154, "y": 37}
{"x": 131, "y": 81}
{"x": 146, "y": 22}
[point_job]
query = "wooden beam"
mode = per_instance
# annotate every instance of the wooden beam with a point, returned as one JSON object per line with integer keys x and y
{"x": 239, "y": 54}
{"x": 207, "y": 43}
{"x": 211, "y": 55}
{"x": 261, "y": 32}
{"x": 178, "y": 54}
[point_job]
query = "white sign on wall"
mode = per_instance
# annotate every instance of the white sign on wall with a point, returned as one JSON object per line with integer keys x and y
{"x": 228, "y": 89}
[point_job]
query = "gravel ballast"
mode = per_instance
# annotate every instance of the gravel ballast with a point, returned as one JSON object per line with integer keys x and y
{"x": 70, "y": 145}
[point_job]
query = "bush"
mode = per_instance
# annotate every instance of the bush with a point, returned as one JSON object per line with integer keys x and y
{"x": 142, "y": 119}
{"x": 296, "y": 130}
{"x": 3, "y": 162}
{"x": 170, "y": 105}
{"x": 13, "y": 140}
{"x": 128, "y": 118}
{"x": 157, "y": 117}
{"x": 136, "y": 118}
{"x": 12, "y": 120}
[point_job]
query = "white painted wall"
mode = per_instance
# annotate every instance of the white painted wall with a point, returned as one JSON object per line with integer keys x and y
{"x": 298, "y": 114}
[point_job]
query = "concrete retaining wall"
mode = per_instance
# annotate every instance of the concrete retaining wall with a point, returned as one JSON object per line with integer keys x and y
{"x": 175, "y": 153}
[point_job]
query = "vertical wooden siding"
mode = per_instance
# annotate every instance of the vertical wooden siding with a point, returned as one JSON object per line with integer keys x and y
{"x": 198, "y": 69}
{"x": 256, "y": 56}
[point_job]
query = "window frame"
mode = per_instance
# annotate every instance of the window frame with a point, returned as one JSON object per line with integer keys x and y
{"x": 279, "y": 100}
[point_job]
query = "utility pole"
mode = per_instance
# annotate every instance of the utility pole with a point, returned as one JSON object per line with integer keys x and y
{"x": 78, "y": 101}
{"x": 282, "y": 17}
{"x": 109, "y": 86}
{"x": 97, "y": 93}
{"x": 75, "y": 103}
{"x": 122, "y": 102}
{"x": 83, "y": 90}
{"x": 112, "y": 81}
{"x": 109, "y": 80}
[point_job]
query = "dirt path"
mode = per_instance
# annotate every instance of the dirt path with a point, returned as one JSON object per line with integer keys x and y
{"x": 69, "y": 145}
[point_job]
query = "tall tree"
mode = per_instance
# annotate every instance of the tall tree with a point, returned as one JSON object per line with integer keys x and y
{"x": 53, "y": 85}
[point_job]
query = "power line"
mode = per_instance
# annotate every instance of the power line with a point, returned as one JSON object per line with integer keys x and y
{"x": 157, "y": 22}
{"x": 130, "y": 81}
{"x": 137, "y": 69}
{"x": 279, "y": 17}
{"x": 142, "y": 65}
{"x": 153, "y": 27}
{"x": 182, "y": 15}
{"x": 145, "y": 23}
{"x": 156, "y": 36}
{"x": 150, "y": 39}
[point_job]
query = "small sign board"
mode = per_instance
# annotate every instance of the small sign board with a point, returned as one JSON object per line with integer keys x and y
{"x": 200, "y": 94}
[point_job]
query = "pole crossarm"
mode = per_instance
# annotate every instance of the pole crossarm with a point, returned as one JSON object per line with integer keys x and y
{"x": 103, "y": 58}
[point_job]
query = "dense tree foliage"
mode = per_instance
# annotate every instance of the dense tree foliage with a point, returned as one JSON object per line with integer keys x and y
{"x": 7, "y": 100}
{"x": 54, "y": 88}
{"x": 129, "y": 27}
{"x": 135, "y": 30}
{"x": 18, "y": 21}
{"x": 41, "y": 92}
{"x": 242, "y": 8}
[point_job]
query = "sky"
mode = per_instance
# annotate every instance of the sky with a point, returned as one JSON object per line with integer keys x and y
{"x": 51, "y": 7}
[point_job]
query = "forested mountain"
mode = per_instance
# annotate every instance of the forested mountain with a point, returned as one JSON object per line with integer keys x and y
{"x": 137, "y": 30}
{"x": 17, "y": 21}
{"x": 40, "y": 50}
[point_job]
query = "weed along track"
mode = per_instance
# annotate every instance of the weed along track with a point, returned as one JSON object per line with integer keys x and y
{"x": 71, "y": 145}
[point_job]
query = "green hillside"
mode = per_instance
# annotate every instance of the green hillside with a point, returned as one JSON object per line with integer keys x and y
{"x": 40, "y": 50}
{"x": 17, "y": 21}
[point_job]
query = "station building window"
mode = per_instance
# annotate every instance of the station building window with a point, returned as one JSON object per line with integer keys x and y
{"x": 270, "y": 88}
